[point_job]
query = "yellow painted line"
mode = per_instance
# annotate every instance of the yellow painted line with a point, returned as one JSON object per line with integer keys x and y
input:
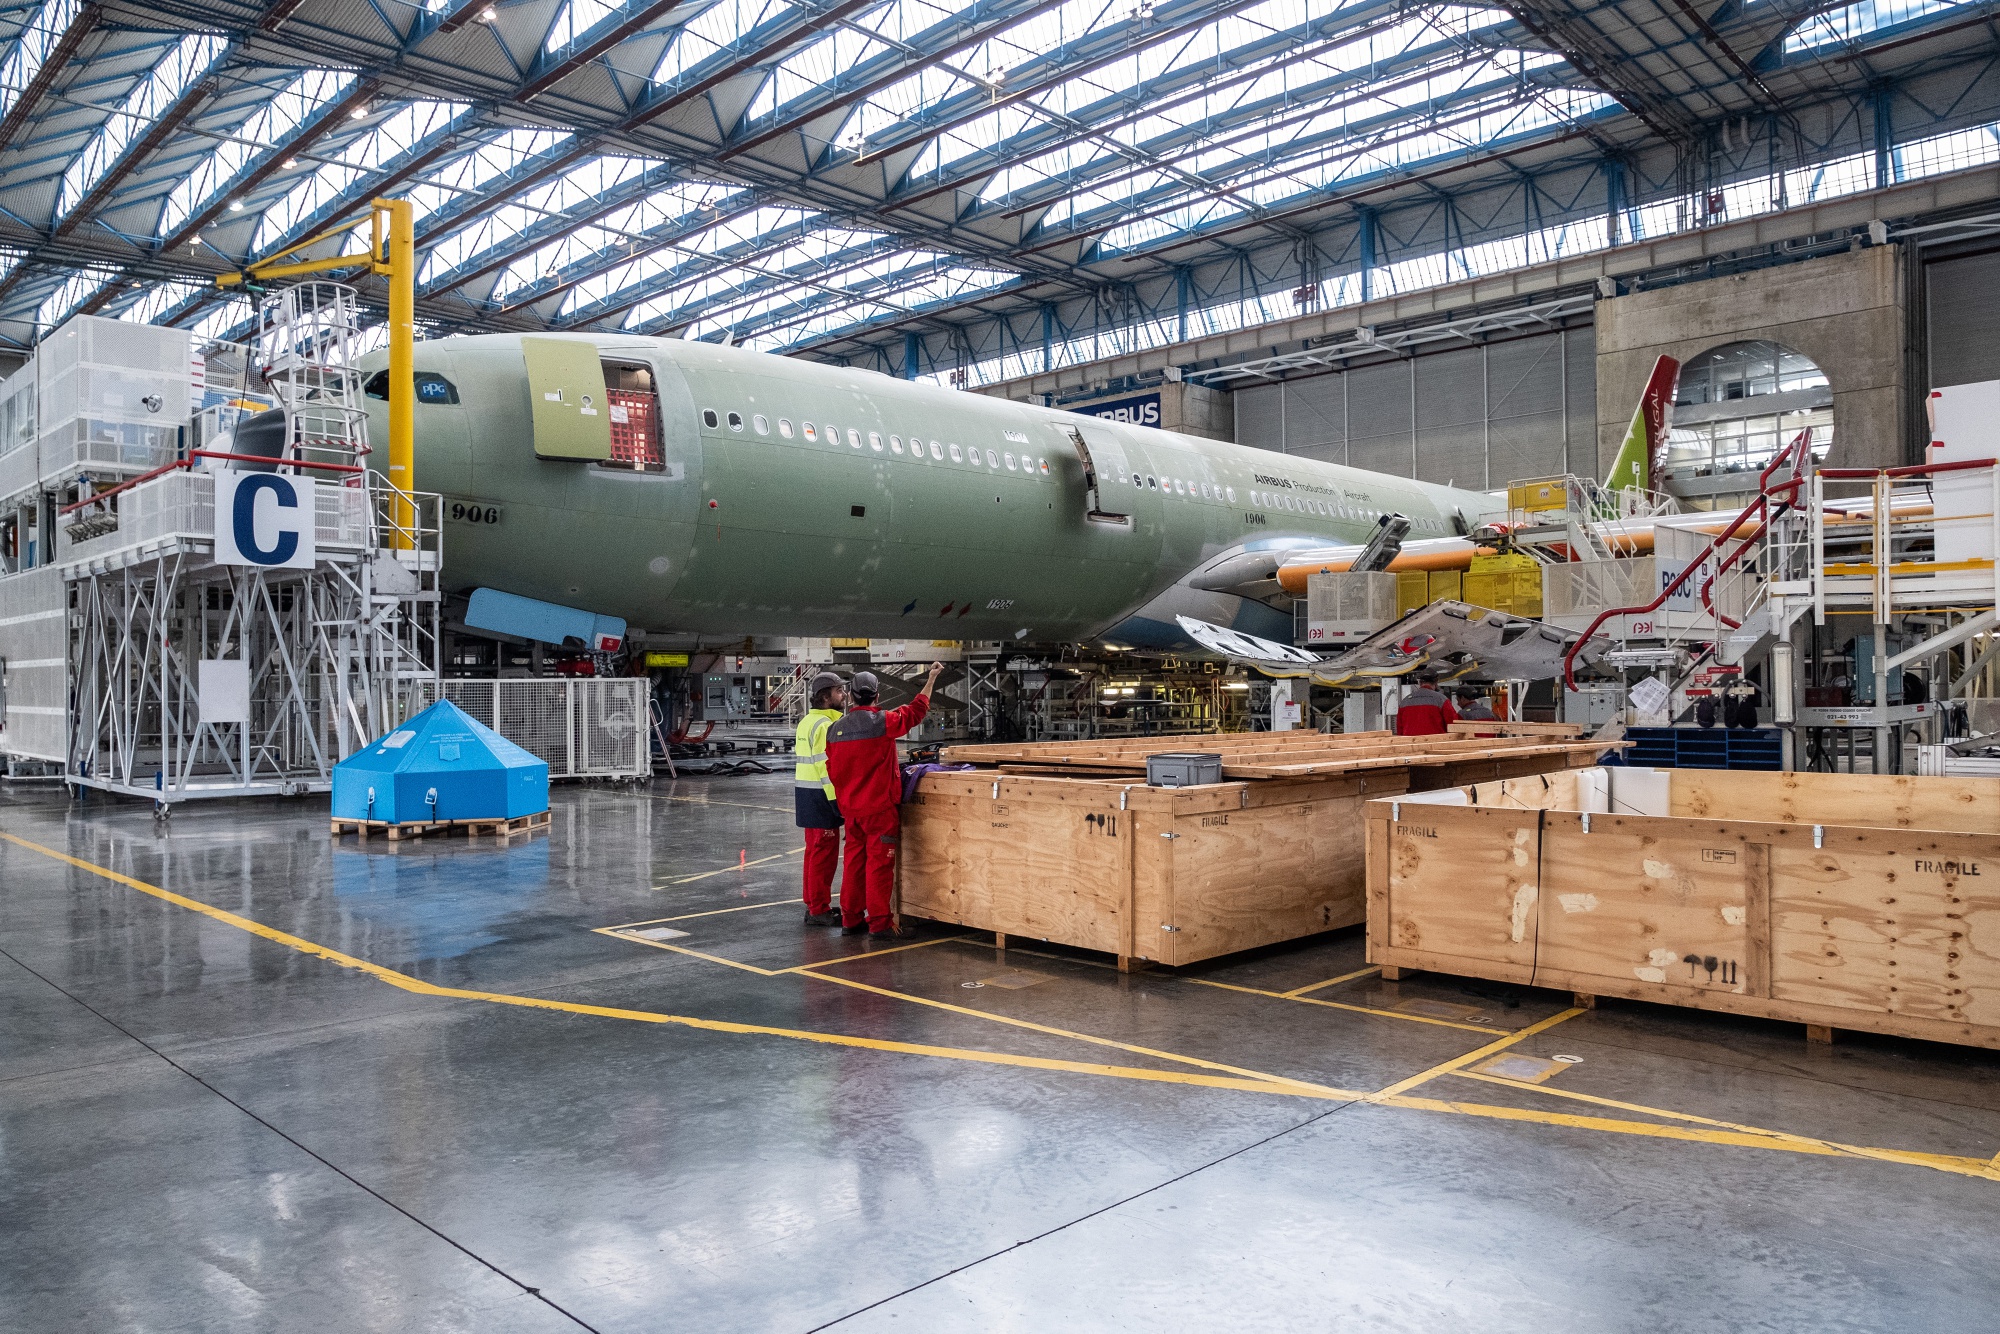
{"x": 682, "y": 949}
{"x": 1951, "y": 1162}
{"x": 1692, "y": 1134}
{"x": 1357, "y": 1009}
{"x": 733, "y": 866}
{"x": 1297, "y": 992}
{"x": 1317, "y": 1090}
{"x": 871, "y": 954}
{"x": 690, "y": 916}
{"x": 1459, "y": 1062}
{"x": 1228, "y": 1077}
{"x": 1247, "y": 1082}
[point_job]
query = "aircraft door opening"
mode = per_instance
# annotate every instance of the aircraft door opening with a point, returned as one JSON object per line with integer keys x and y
{"x": 1106, "y": 474}
{"x": 632, "y": 402}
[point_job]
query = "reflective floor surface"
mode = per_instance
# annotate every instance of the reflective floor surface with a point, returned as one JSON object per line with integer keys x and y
{"x": 252, "y": 1078}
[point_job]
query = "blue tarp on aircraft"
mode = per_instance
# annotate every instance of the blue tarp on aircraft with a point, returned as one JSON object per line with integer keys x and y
{"x": 442, "y": 764}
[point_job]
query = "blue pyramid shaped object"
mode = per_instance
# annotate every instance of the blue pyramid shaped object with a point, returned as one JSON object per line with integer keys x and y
{"x": 443, "y": 764}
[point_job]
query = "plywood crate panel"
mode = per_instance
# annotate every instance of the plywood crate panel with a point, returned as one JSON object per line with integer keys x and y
{"x": 1817, "y": 898}
{"x": 1168, "y": 875}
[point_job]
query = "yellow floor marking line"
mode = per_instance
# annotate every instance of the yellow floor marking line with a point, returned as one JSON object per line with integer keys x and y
{"x": 871, "y": 954}
{"x": 1250, "y": 1082}
{"x": 1951, "y": 1161}
{"x": 690, "y": 916}
{"x": 1459, "y": 1062}
{"x": 1693, "y": 1134}
{"x": 1317, "y": 1090}
{"x": 725, "y": 870}
{"x": 1358, "y": 1009}
{"x": 682, "y": 949}
{"x": 1297, "y": 992}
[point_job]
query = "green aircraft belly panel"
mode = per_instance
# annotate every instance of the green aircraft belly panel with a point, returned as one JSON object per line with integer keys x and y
{"x": 566, "y": 399}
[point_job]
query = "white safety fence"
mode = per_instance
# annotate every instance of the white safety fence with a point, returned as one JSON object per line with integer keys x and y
{"x": 593, "y": 727}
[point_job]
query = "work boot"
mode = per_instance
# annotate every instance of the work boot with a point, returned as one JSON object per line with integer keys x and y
{"x": 895, "y": 933}
{"x": 827, "y": 918}
{"x": 855, "y": 929}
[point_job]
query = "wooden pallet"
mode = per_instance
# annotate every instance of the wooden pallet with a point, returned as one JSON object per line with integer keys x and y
{"x": 396, "y": 833}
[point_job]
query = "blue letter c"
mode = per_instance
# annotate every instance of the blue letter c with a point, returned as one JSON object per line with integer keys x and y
{"x": 245, "y": 519}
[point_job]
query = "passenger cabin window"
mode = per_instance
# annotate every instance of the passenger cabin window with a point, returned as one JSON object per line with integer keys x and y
{"x": 633, "y": 406}
{"x": 431, "y": 387}
{"x": 759, "y": 424}
{"x": 709, "y": 419}
{"x": 785, "y": 427}
{"x": 735, "y": 421}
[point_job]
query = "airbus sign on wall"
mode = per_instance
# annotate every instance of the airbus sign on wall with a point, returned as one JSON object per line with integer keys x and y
{"x": 265, "y": 519}
{"x": 1139, "y": 410}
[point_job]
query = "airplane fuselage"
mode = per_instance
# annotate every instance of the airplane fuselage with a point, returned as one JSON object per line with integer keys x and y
{"x": 797, "y": 498}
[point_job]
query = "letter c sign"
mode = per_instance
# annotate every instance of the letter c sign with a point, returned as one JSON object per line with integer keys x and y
{"x": 264, "y": 519}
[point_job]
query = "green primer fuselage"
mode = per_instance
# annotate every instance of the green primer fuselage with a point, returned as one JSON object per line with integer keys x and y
{"x": 747, "y": 531}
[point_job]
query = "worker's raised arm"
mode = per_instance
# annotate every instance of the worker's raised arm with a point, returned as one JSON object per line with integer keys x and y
{"x": 898, "y": 722}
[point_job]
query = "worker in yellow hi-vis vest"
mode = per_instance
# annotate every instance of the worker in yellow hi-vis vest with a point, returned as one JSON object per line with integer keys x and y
{"x": 813, "y": 805}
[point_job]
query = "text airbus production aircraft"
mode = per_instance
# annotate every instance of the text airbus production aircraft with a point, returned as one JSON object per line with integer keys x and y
{"x": 688, "y": 487}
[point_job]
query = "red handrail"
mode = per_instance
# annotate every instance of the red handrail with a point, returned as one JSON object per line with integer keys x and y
{"x": 207, "y": 454}
{"x": 1802, "y": 445}
{"x": 1914, "y": 470}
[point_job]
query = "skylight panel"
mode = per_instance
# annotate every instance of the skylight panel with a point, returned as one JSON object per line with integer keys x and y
{"x": 491, "y": 159}
{"x": 271, "y": 123}
{"x": 76, "y": 289}
{"x": 631, "y": 228}
{"x": 719, "y": 27}
{"x": 577, "y": 18}
{"x": 410, "y": 125}
{"x": 1852, "y": 22}
{"x": 223, "y": 318}
{"x": 32, "y": 46}
{"x": 187, "y": 61}
{"x": 161, "y": 299}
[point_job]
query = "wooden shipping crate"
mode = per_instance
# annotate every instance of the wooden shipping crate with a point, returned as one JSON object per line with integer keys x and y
{"x": 1833, "y": 900}
{"x": 1064, "y": 842}
{"x": 1170, "y": 875}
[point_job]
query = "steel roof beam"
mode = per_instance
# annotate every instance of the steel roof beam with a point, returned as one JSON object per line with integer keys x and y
{"x": 952, "y": 32}
{"x": 607, "y": 258}
{"x": 552, "y": 67}
{"x": 1188, "y": 84}
{"x": 52, "y": 69}
{"x": 137, "y": 152}
{"x": 1606, "y": 66}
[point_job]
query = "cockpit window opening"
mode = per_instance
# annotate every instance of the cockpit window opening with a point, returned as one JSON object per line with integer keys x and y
{"x": 432, "y": 388}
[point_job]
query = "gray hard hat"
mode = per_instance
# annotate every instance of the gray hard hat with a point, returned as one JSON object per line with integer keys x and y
{"x": 866, "y": 684}
{"x": 824, "y": 681}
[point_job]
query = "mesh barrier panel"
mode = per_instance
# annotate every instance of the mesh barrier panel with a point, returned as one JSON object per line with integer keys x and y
{"x": 587, "y": 728}
{"x": 635, "y": 428}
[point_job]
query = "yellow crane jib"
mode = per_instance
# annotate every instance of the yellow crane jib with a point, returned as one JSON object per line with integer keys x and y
{"x": 392, "y": 254}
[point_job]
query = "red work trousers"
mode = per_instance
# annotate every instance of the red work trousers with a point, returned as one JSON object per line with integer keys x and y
{"x": 870, "y": 875}
{"x": 822, "y": 855}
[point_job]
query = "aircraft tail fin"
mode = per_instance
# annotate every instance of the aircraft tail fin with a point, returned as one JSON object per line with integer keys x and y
{"x": 1645, "y": 449}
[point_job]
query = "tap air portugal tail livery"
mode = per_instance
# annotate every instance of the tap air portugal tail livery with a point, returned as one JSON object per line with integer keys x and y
{"x": 688, "y": 487}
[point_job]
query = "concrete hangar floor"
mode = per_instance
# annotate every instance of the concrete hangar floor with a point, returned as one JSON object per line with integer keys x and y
{"x": 252, "y": 1079}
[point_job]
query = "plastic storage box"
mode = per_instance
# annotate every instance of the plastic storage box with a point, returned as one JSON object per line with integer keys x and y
{"x": 1183, "y": 769}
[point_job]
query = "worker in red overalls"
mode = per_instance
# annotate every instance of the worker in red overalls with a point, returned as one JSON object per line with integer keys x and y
{"x": 1424, "y": 711}
{"x": 861, "y": 761}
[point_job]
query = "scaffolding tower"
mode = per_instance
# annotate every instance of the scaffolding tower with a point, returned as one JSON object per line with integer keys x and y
{"x": 192, "y": 675}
